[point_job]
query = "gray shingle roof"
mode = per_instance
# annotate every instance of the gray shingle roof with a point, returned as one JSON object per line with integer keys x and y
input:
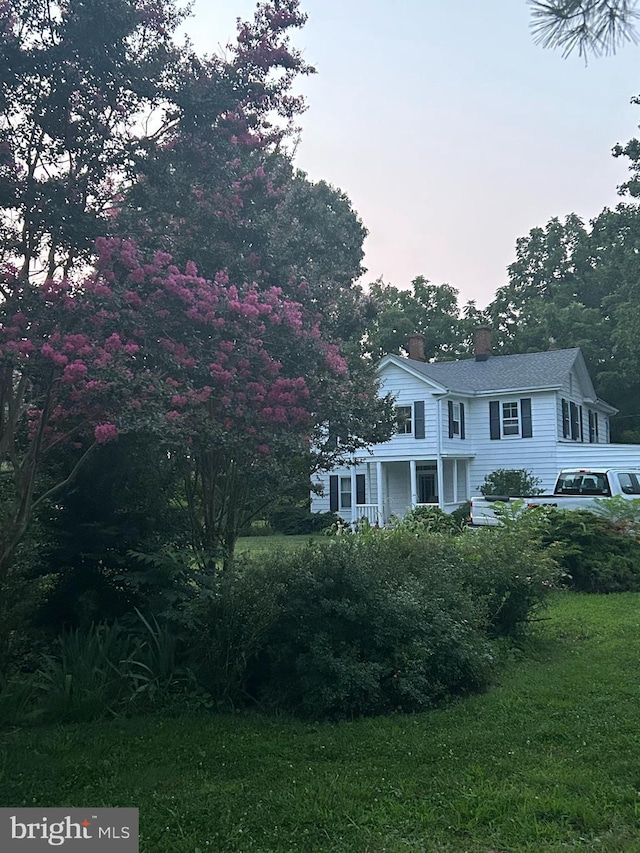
{"x": 502, "y": 372}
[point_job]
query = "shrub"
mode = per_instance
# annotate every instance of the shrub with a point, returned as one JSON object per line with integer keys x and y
{"x": 295, "y": 520}
{"x": 511, "y": 482}
{"x": 368, "y": 625}
{"x": 593, "y": 554}
{"x": 228, "y": 625}
{"x": 431, "y": 519}
{"x": 462, "y": 514}
{"x": 512, "y": 568}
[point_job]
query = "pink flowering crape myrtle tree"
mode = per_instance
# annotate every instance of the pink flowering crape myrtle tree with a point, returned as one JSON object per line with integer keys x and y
{"x": 236, "y": 381}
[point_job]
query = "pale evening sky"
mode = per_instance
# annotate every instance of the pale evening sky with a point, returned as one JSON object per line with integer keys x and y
{"x": 451, "y": 132}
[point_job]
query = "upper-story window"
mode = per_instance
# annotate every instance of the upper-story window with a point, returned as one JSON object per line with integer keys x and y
{"x": 455, "y": 418}
{"x": 572, "y": 420}
{"x": 404, "y": 420}
{"x": 510, "y": 419}
{"x": 345, "y": 492}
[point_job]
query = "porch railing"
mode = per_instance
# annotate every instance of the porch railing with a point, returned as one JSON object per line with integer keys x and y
{"x": 368, "y": 512}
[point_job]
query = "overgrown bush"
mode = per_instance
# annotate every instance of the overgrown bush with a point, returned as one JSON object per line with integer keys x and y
{"x": 371, "y": 623}
{"x": 382, "y": 621}
{"x": 594, "y": 555}
{"x": 368, "y": 625}
{"x": 512, "y": 568}
{"x": 431, "y": 519}
{"x": 229, "y": 626}
{"x": 296, "y": 520}
{"x": 511, "y": 482}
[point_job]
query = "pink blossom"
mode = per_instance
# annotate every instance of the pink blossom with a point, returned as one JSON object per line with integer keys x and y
{"x": 105, "y": 432}
{"x": 74, "y": 372}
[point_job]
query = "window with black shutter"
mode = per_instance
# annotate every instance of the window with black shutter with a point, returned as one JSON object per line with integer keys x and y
{"x": 454, "y": 419}
{"x": 404, "y": 422}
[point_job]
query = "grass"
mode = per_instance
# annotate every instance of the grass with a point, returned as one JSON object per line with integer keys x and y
{"x": 276, "y": 542}
{"x": 548, "y": 760}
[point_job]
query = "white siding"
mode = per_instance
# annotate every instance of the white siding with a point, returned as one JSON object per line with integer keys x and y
{"x": 598, "y": 456}
{"x": 535, "y": 454}
{"x": 407, "y": 390}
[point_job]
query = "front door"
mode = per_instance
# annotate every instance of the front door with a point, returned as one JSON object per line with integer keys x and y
{"x": 427, "y": 481}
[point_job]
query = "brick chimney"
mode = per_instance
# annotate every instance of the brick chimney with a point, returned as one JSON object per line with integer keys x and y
{"x": 482, "y": 343}
{"x": 416, "y": 347}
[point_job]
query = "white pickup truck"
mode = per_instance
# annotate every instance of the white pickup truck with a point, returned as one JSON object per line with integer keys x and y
{"x": 574, "y": 489}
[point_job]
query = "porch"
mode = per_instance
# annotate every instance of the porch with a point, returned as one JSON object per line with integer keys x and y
{"x": 375, "y": 491}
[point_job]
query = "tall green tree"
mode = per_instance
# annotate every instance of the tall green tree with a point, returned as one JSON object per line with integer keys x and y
{"x": 76, "y": 79}
{"x": 573, "y": 285}
{"x": 428, "y": 309}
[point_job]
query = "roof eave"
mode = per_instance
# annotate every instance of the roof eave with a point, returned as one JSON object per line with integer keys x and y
{"x": 405, "y": 364}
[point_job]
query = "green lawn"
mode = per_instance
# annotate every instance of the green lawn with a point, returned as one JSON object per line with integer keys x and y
{"x": 252, "y": 544}
{"x": 548, "y": 760}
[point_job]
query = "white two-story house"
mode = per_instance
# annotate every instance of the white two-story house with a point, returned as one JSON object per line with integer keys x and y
{"x": 458, "y": 421}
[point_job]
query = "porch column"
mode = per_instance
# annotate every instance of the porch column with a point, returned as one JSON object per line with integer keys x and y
{"x": 455, "y": 480}
{"x": 440, "y": 473}
{"x": 379, "y": 493}
{"x": 354, "y": 509}
{"x": 414, "y": 482}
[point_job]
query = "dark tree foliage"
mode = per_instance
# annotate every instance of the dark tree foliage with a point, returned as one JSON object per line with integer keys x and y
{"x": 575, "y": 286}
{"x": 428, "y": 309}
{"x": 75, "y": 81}
{"x": 122, "y": 501}
{"x": 592, "y": 27}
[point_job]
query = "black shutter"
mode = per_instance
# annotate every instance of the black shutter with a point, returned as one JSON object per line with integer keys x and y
{"x": 525, "y": 414}
{"x": 573, "y": 412}
{"x": 450, "y": 419}
{"x": 595, "y": 425}
{"x": 591, "y": 429}
{"x": 361, "y": 496}
{"x": 581, "y": 424}
{"x": 566, "y": 427}
{"x": 461, "y": 420}
{"x": 494, "y": 419}
{"x": 418, "y": 416}
{"x": 333, "y": 493}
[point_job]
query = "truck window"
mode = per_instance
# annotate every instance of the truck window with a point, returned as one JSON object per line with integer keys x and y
{"x": 567, "y": 485}
{"x": 629, "y": 483}
{"x": 587, "y": 483}
{"x": 594, "y": 484}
